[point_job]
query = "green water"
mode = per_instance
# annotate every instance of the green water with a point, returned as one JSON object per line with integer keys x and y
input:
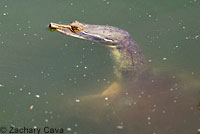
{"x": 51, "y": 72}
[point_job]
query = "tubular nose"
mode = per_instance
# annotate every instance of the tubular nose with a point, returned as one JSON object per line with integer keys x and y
{"x": 52, "y": 25}
{"x": 52, "y": 28}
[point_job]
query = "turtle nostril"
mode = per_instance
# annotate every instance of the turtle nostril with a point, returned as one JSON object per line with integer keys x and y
{"x": 51, "y": 28}
{"x": 49, "y": 25}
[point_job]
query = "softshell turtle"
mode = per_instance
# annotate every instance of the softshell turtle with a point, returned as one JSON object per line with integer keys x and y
{"x": 139, "y": 102}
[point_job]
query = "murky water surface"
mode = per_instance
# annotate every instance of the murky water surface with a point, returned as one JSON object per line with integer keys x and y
{"x": 51, "y": 80}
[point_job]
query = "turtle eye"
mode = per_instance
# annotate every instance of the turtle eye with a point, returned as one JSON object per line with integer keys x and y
{"x": 75, "y": 29}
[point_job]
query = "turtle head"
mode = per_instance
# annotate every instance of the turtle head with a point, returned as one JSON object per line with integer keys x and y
{"x": 108, "y": 35}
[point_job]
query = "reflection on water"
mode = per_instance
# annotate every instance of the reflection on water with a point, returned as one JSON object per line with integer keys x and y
{"x": 47, "y": 79}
